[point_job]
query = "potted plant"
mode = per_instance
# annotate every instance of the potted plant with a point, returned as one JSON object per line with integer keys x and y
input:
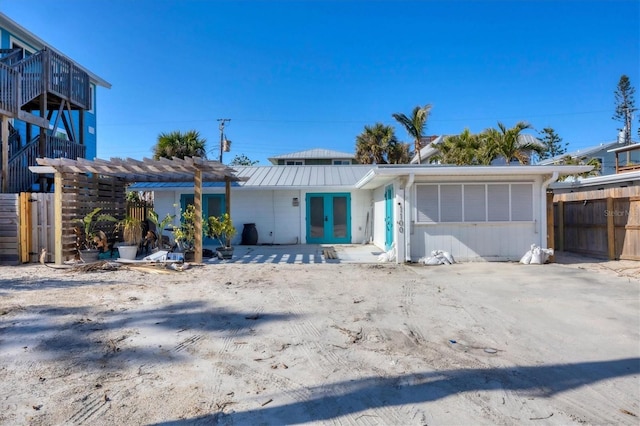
{"x": 160, "y": 226}
{"x": 92, "y": 241}
{"x": 185, "y": 234}
{"x": 221, "y": 228}
{"x": 131, "y": 229}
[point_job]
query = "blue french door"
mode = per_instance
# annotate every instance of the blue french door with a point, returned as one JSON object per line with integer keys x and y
{"x": 329, "y": 218}
{"x": 388, "y": 217}
{"x": 212, "y": 205}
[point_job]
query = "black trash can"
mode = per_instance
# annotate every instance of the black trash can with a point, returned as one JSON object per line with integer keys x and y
{"x": 249, "y": 235}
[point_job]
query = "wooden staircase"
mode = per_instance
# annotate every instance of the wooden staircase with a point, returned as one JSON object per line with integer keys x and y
{"x": 32, "y": 88}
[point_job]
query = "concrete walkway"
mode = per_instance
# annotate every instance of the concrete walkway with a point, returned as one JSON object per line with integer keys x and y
{"x": 304, "y": 253}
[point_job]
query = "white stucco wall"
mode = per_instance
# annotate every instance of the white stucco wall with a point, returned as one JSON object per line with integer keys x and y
{"x": 379, "y": 226}
{"x": 276, "y": 218}
{"x": 481, "y": 240}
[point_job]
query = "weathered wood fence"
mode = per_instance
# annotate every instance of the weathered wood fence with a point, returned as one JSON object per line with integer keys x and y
{"x": 9, "y": 229}
{"x": 28, "y": 221}
{"x": 601, "y": 223}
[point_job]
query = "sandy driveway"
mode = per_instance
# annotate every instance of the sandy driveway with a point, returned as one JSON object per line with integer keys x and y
{"x": 343, "y": 344}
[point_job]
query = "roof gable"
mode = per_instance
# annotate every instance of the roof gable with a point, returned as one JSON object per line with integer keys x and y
{"x": 314, "y": 154}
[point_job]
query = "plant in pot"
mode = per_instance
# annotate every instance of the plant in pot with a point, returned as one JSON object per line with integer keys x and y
{"x": 221, "y": 228}
{"x": 185, "y": 234}
{"x": 160, "y": 226}
{"x": 131, "y": 229}
{"x": 92, "y": 241}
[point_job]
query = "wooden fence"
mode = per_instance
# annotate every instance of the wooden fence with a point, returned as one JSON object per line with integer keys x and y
{"x": 601, "y": 223}
{"x": 9, "y": 229}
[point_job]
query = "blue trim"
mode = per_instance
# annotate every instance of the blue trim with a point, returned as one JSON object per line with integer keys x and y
{"x": 388, "y": 217}
{"x": 329, "y": 219}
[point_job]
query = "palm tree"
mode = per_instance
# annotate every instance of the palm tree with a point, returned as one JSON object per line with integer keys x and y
{"x": 399, "y": 153}
{"x": 374, "y": 144}
{"x": 582, "y": 161}
{"x": 415, "y": 125}
{"x": 180, "y": 145}
{"x": 461, "y": 150}
{"x": 508, "y": 144}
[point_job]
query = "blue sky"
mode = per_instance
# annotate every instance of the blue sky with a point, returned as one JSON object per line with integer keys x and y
{"x": 296, "y": 75}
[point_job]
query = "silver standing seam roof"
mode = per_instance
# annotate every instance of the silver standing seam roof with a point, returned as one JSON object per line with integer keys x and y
{"x": 313, "y": 154}
{"x": 280, "y": 177}
{"x": 584, "y": 152}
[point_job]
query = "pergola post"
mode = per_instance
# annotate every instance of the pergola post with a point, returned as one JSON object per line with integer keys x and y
{"x": 197, "y": 201}
{"x": 57, "y": 217}
{"x": 227, "y": 195}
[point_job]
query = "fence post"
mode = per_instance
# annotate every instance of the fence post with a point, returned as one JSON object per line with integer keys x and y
{"x": 560, "y": 225}
{"x": 611, "y": 230}
{"x": 550, "y": 225}
{"x": 25, "y": 227}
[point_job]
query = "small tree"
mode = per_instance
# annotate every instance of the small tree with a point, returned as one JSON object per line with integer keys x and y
{"x": 221, "y": 228}
{"x": 625, "y": 106}
{"x": 242, "y": 160}
{"x": 553, "y": 145}
{"x": 185, "y": 234}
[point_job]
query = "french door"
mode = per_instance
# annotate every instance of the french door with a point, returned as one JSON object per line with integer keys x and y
{"x": 328, "y": 218}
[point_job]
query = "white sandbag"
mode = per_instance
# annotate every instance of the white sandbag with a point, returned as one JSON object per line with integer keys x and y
{"x": 388, "y": 256}
{"x": 546, "y": 254}
{"x": 526, "y": 259}
{"x": 536, "y": 256}
{"x": 449, "y": 257}
{"x": 433, "y": 260}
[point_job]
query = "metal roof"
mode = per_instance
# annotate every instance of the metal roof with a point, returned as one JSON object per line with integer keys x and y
{"x": 32, "y": 39}
{"x": 315, "y": 153}
{"x": 626, "y": 179}
{"x": 382, "y": 174}
{"x": 585, "y": 152}
{"x": 281, "y": 177}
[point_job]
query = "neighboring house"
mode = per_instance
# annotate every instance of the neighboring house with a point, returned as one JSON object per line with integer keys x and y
{"x": 602, "y": 153}
{"x": 476, "y": 213}
{"x": 47, "y": 106}
{"x": 430, "y": 149}
{"x": 314, "y": 157}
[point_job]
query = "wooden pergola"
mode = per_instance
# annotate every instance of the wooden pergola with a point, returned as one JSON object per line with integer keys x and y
{"x": 189, "y": 169}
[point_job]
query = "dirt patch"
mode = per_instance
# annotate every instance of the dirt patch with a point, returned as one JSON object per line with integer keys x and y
{"x": 497, "y": 343}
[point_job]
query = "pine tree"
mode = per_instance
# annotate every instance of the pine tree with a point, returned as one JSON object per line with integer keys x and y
{"x": 553, "y": 145}
{"x": 625, "y": 106}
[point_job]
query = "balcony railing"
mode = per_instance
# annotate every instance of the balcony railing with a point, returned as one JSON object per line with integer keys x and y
{"x": 19, "y": 176}
{"x": 43, "y": 71}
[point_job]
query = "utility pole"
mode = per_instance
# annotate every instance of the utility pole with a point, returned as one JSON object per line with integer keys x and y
{"x": 224, "y": 147}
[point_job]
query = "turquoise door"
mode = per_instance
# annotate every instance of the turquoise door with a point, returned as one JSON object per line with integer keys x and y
{"x": 212, "y": 205}
{"x": 388, "y": 217}
{"x": 329, "y": 218}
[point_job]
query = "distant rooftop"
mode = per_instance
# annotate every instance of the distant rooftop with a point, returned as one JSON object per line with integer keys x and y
{"x": 316, "y": 153}
{"x": 584, "y": 152}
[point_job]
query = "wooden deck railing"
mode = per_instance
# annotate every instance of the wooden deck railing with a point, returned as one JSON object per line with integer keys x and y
{"x": 8, "y": 90}
{"x": 20, "y": 177}
{"x": 45, "y": 71}
{"x": 10, "y": 56}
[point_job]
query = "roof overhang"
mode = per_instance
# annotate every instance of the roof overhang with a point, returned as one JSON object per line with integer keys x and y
{"x": 621, "y": 179}
{"x": 145, "y": 170}
{"x": 632, "y": 147}
{"x": 385, "y": 174}
{"x": 32, "y": 39}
